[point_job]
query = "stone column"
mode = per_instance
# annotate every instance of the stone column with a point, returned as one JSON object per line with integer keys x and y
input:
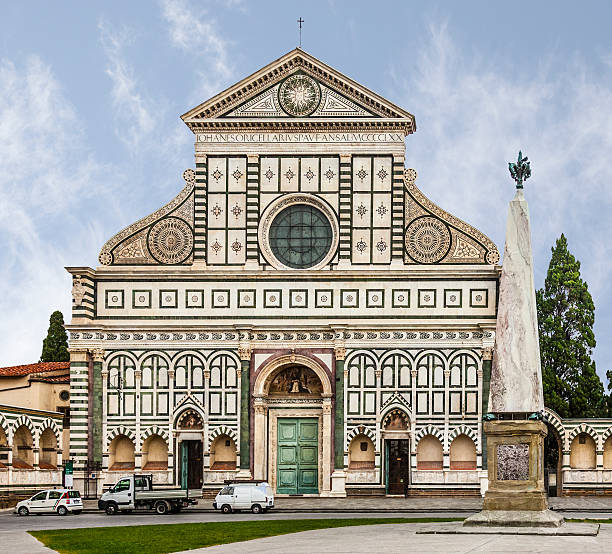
{"x": 338, "y": 484}
{"x": 206, "y": 426}
{"x": 446, "y": 445}
{"x": 98, "y": 359}
{"x": 138, "y": 445}
{"x": 171, "y": 456}
{"x": 245, "y": 352}
{"x": 104, "y": 377}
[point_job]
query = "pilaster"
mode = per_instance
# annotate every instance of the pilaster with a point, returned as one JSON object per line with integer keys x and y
{"x": 245, "y": 352}
{"x": 487, "y": 357}
{"x": 338, "y": 484}
{"x": 79, "y": 406}
{"x": 199, "y": 251}
{"x": 97, "y": 399}
{"x": 344, "y": 247}
{"x": 397, "y": 214}
{"x": 252, "y": 211}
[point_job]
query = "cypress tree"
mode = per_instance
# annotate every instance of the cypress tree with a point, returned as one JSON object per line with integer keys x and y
{"x": 566, "y": 315}
{"x": 55, "y": 346}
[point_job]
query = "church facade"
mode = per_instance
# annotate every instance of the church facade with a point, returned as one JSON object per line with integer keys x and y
{"x": 300, "y": 312}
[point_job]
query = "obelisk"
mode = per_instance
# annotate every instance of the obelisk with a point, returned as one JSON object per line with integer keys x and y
{"x": 515, "y": 432}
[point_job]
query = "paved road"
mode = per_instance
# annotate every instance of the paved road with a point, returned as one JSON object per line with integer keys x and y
{"x": 12, "y": 522}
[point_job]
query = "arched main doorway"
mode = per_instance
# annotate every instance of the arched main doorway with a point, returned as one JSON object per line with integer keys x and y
{"x": 293, "y": 425}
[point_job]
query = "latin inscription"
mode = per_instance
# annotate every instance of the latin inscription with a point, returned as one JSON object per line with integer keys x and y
{"x": 299, "y": 137}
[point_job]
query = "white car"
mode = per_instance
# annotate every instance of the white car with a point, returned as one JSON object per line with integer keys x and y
{"x": 59, "y": 501}
{"x": 257, "y": 497}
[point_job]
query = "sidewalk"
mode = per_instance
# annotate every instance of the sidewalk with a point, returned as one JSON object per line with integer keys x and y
{"x": 439, "y": 504}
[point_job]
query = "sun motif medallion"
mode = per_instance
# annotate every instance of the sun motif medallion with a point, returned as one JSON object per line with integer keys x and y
{"x": 299, "y": 95}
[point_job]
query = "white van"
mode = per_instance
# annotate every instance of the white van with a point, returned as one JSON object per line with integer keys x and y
{"x": 257, "y": 497}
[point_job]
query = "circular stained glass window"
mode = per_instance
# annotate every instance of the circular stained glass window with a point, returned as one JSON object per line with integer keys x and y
{"x": 300, "y": 236}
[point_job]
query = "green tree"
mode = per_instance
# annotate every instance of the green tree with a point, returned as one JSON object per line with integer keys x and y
{"x": 566, "y": 315}
{"x": 55, "y": 346}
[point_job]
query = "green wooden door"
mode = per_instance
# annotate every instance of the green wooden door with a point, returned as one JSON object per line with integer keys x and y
{"x": 297, "y": 469}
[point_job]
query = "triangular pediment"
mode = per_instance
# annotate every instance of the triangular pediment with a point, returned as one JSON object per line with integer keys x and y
{"x": 329, "y": 103}
{"x": 300, "y": 89}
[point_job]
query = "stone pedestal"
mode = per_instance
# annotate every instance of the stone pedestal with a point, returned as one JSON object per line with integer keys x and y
{"x": 338, "y": 484}
{"x": 516, "y": 495}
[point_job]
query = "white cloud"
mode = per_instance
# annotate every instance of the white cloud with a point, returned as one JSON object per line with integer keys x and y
{"x": 135, "y": 113}
{"x": 48, "y": 180}
{"x": 194, "y": 31}
{"x": 473, "y": 117}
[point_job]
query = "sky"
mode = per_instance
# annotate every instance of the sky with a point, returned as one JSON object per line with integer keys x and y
{"x": 91, "y": 139}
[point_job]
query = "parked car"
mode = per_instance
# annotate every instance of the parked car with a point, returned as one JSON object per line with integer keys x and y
{"x": 59, "y": 501}
{"x": 137, "y": 492}
{"x": 257, "y": 497}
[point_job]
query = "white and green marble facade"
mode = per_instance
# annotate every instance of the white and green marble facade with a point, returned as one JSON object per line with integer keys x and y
{"x": 395, "y": 317}
{"x": 21, "y": 440}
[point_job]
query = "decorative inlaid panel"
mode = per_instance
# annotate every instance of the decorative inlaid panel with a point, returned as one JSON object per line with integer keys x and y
{"x": 479, "y": 298}
{"x": 512, "y": 462}
{"x": 113, "y": 299}
{"x": 371, "y": 210}
{"x": 226, "y": 210}
{"x": 194, "y": 298}
{"x": 141, "y": 298}
{"x": 168, "y": 298}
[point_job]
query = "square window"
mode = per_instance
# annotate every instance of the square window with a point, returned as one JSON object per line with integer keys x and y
{"x": 113, "y": 299}
{"x": 324, "y": 298}
{"x": 273, "y": 299}
{"x": 479, "y": 298}
{"x": 220, "y": 298}
{"x": 246, "y": 298}
{"x": 375, "y": 298}
{"x": 194, "y": 298}
{"x": 298, "y": 298}
{"x": 168, "y": 298}
{"x": 363, "y": 446}
{"x": 427, "y": 298}
{"x": 452, "y": 298}
{"x": 401, "y": 298}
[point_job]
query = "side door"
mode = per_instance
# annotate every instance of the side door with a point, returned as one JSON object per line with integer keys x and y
{"x": 122, "y": 492}
{"x": 52, "y": 500}
{"x": 38, "y": 502}
{"x": 242, "y": 498}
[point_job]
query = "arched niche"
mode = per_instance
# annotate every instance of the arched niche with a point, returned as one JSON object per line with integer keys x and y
{"x": 154, "y": 454}
{"x": 48, "y": 449}
{"x": 429, "y": 453}
{"x": 23, "y": 455}
{"x": 223, "y": 454}
{"x": 361, "y": 453}
{"x": 583, "y": 452}
{"x": 462, "y": 453}
{"x": 121, "y": 454}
